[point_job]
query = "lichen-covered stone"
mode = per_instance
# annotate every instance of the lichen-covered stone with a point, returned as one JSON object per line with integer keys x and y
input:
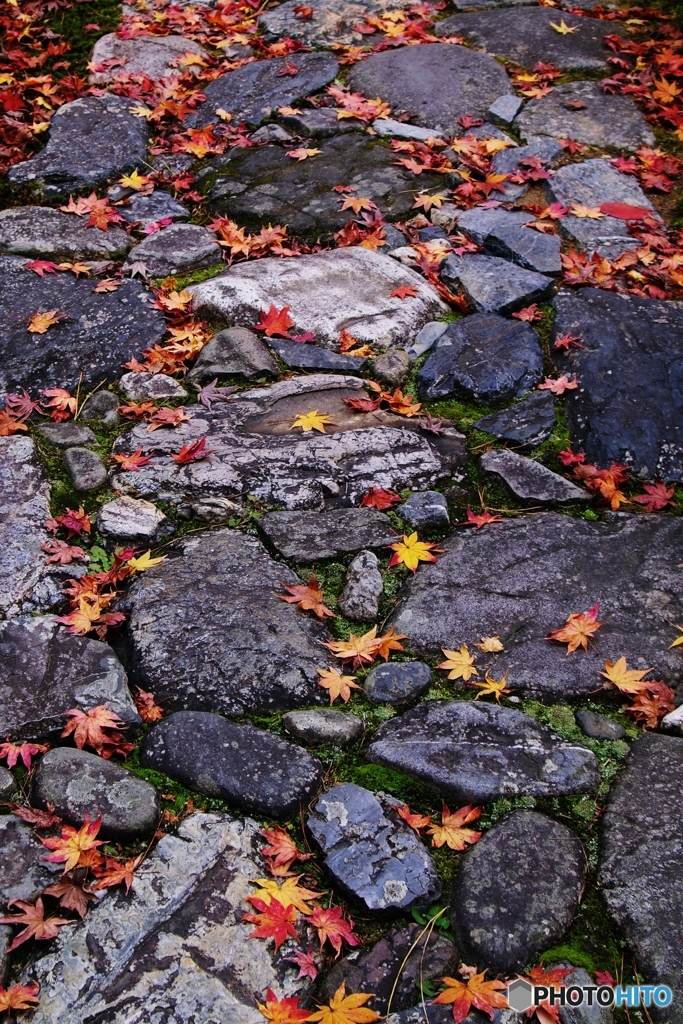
{"x": 154, "y": 57}
{"x": 363, "y": 587}
{"x": 323, "y": 727}
{"x": 43, "y": 233}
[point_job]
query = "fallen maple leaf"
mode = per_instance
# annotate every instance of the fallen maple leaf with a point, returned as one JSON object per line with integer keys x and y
{"x": 626, "y": 680}
{"x": 25, "y": 751}
{"x": 480, "y": 519}
{"x": 137, "y": 410}
{"x": 566, "y": 341}
{"x": 36, "y": 817}
{"x": 305, "y": 963}
{"x": 529, "y": 314}
{"x": 563, "y": 28}
{"x": 303, "y": 12}
{"x": 390, "y": 641}
{"x": 559, "y": 386}
{"x": 193, "y": 452}
{"x": 357, "y": 203}
{"x": 308, "y": 597}
{"x": 343, "y": 1009}
{"x": 363, "y": 404}
{"x": 289, "y": 893}
{"x": 35, "y": 925}
{"x": 460, "y": 664}
{"x": 132, "y": 463}
{"x": 410, "y": 552}
{"x": 90, "y": 728}
{"x": 554, "y": 977}
{"x": 657, "y": 496}
{"x": 72, "y": 895}
{"x": 582, "y": 211}
{"x": 281, "y": 847}
{"x": 309, "y": 421}
{"x": 116, "y": 873}
{"x": 73, "y": 842}
{"x": 483, "y": 995}
{"x": 275, "y": 321}
{"x": 135, "y": 181}
{"x": 42, "y": 267}
{"x": 148, "y": 710}
{"x": 490, "y": 644}
{"x": 336, "y": 684}
{"x": 274, "y": 921}
{"x": 21, "y": 405}
{"x": 332, "y": 927}
{"x": 495, "y": 687}
{"x": 9, "y": 425}
{"x": 451, "y": 831}
{"x": 19, "y": 997}
{"x": 362, "y": 650}
{"x": 62, "y": 553}
{"x": 405, "y": 291}
{"x": 167, "y": 417}
{"x": 624, "y": 211}
{"x": 302, "y": 154}
{"x": 570, "y": 458}
{"x": 380, "y": 498}
{"x": 61, "y": 402}
{"x": 416, "y": 821}
{"x": 678, "y": 642}
{"x": 649, "y": 708}
{"x": 285, "y": 1010}
{"x": 210, "y": 393}
{"x": 39, "y": 322}
{"x": 578, "y": 630}
{"x": 144, "y": 562}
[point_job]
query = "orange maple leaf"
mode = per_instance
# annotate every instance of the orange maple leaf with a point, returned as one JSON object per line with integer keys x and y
{"x": 132, "y": 463}
{"x": 73, "y": 842}
{"x": 117, "y": 873}
{"x": 275, "y": 321}
{"x": 19, "y": 997}
{"x": 285, "y": 1010}
{"x": 405, "y": 291}
{"x": 35, "y": 925}
{"x": 380, "y": 498}
{"x": 274, "y": 921}
{"x": 451, "y": 830}
{"x": 416, "y": 821}
{"x": 332, "y": 927}
{"x": 39, "y": 322}
{"x": 89, "y": 728}
{"x": 281, "y": 847}
{"x": 148, "y": 710}
{"x": 61, "y": 402}
{"x": 9, "y": 425}
{"x": 578, "y": 630}
{"x": 308, "y": 597}
{"x": 336, "y": 684}
{"x": 483, "y": 995}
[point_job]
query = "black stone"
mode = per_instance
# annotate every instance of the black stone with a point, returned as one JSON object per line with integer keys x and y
{"x": 642, "y": 862}
{"x": 310, "y": 536}
{"x": 509, "y": 161}
{"x": 248, "y": 767}
{"x": 529, "y": 480}
{"x": 43, "y": 233}
{"x": 431, "y": 1013}
{"x": 425, "y": 510}
{"x": 599, "y": 726}
{"x": 234, "y": 351}
{"x": 530, "y": 422}
{"x": 504, "y": 233}
{"x": 483, "y": 357}
{"x": 629, "y": 406}
{"x": 517, "y": 891}
{"x": 177, "y": 249}
{"x": 24, "y": 872}
{"x": 91, "y": 140}
{"x": 102, "y": 332}
{"x": 492, "y": 285}
{"x": 302, "y": 356}
{"x": 146, "y": 210}
{"x": 479, "y": 752}
{"x": 101, "y": 407}
{"x": 320, "y": 123}
{"x": 397, "y": 683}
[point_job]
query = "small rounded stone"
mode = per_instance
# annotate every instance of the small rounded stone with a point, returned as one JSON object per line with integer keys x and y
{"x": 398, "y": 682}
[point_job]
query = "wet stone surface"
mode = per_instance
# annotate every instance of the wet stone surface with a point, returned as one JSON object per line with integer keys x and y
{"x": 233, "y": 351}
{"x": 529, "y": 480}
{"x": 529, "y": 422}
{"x": 323, "y": 727}
{"x": 43, "y": 233}
{"x": 359, "y": 600}
{"x": 177, "y": 249}
{"x": 310, "y": 536}
{"x": 23, "y": 870}
{"x": 492, "y": 285}
{"x": 503, "y": 233}
{"x": 397, "y": 684}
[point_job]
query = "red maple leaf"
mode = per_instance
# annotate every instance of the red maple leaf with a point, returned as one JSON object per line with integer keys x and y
{"x": 570, "y": 458}
{"x": 274, "y": 921}
{"x": 62, "y": 553}
{"x": 331, "y": 926}
{"x": 275, "y": 321}
{"x": 363, "y": 404}
{"x": 25, "y": 751}
{"x": 39, "y": 819}
{"x": 380, "y": 498}
{"x": 656, "y": 497}
{"x": 36, "y": 926}
{"x": 566, "y": 341}
{"x": 116, "y": 873}
{"x": 192, "y": 452}
{"x": 148, "y": 709}
{"x": 404, "y": 292}
{"x": 132, "y": 463}
{"x": 74, "y": 521}
{"x": 21, "y": 405}
{"x": 530, "y": 314}
{"x": 42, "y": 267}
{"x": 479, "y": 519}
{"x": 305, "y": 963}
{"x": 624, "y": 211}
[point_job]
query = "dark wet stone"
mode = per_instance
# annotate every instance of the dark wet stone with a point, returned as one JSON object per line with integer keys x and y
{"x": 86, "y": 470}
{"x": 272, "y": 133}
{"x": 642, "y": 860}
{"x": 517, "y": 891}
{"x": 101, "y": 407}
{"x": 331, "y": 21}
{"x": 235, "y": 351}
{"x": 530, "y": 422}
{"x": 78, "y": 783}
{"x": 255, "y": 91}
{"x": 510, "y": 161}
{"x": 628, "y": 406}
{"x": 503, "y": 233}
{"x": 529, "y": 480}
{"x": 583, "y": 1014}
{"x": 435, "y": 84}
{"x": 359, "y": 600}
{"x": 67, "y": 435}
{"x": 211, "y": 611}
{"x": 493, "y": 285}
{"x": 43, "y": 233}
{"x": 377, "y": 859}
{"x": 311, "y": 536}
{"x": 44, "y": 671}
{"x": 101, "y": 333}
{"x": 483, "y": 357}
{"x": 393, "y": 969}
{"x": 397, "y": 683}
{"x": 323, "y": 727}
{"x": 23, "y": 870}
{"x": 91, "y": 140}
{"x": 525, "y": 36}
{"x": 429, "y": 1013}
{"x": 478, "y": 752}
{"x": 393, "y": 367}
{"x": 431, "y": 233}
{"x": 425, "y": 510}
{"x": 262, "y": 186}
{"x": 146, "y": 210}
{"x": 7, "y": 784}
{"x": 426, "y": 338}
{"x": 320, "y": 122}
{"x": 504, "y": 110}
{"x": 520, "y": 579}
{"x": 301, "y": 356}
{"x": 177, "y": 249}
{"x": 248, "y": 767}
{"x": 598, "y": 726}
{"x": 604, "y": 121}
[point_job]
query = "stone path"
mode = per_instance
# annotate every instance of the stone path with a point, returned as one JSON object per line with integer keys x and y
{"x": 294, "y": 301}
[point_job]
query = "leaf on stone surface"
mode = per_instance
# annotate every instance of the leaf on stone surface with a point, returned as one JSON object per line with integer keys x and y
{"x": 192, "y": 452}
{"x": 626, "y": 680}
{"x": 308, "y": 597}
{"x": 132, "y": 463}
{"x": 480, "y": 519}
{"x": 563, "y": 28}
{"x": 624, "y": 211}
{"x": 24, "y": 751}
{"x": 362, "y": 650}
{"x": 9, "y": 425}
{"x": 309, "y": 421}
{"x": 144, "y": 562}
{"x": 460, "y": 664}
{"x": 357, "y": 203}
{"x": 289, "y": 893}
{"x": 490, "y": 644}
{"x": 578, "y": 629}
{"x": 75, "y": 268}
{"x": 62, "y": 553}
{"x": 285, "y": 1010}
{"x": 347, "y": 341}
{"x": 555, "y": 211}
{"x": 303, "y": 12}
{"x": 21, "y": 405}
{"x": 586, "y": 212}
{"x": 649, "y": 708}
{"x": 173, "y": 300}
{"x": 137, "y": 410}
{"x": 167, "y": 417}
{"x": 36, "y": 817}
{"x": 39, "y": 322}
{"x": 554, "y": 977}
{"x": 343, "y": 1009}
{"x": 148, "y": 709}
{"x": 432, "y": 424}
{"x": 363, "y": 404}
{"x": 570, "y": 458}
{"x": 302, "y": 154}
{"x": 32, "y": 919}
{"x": 68, "y": 847}
{"x": 42, "y": 267}
{"x": 210, "y": 393}
{"x": 411, "y": 551}
{"x": 305, "y": 963}
{"x": 426, "y": 201}
{"x": 656, "y": 497}
{"x": 559, "y": 386}
{"x": 336, "y": 684}
{"x": 390, "y": 641}
{"x": 281, "y": 848}
{"x": 566, "y": 341}
{"x": 19, "y": 997}
{"x": 529, "y": 314}
{"x": 332, "y": 927}
{"x": 494, "y": 687}
{"x": 483, "y": 995}
{"x": 115, "y": 872}
{"x": 405, "y": 291}
{"x": 416, "y": 821}
{"x": 61, "y": 404}
{"x": 273, "y": 920}
{"x": 275, "y": 321}
{"x": 92, "y": 728}
{"x": 678, "y": 642}
{"x": 108, "y": 284}
{"x": 72, "y": 895}
{"x": 452, "y": 829}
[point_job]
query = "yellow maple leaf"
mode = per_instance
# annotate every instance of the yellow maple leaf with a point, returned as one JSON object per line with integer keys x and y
{"x": 357, "y": 203}
{"x": 563, "y": 28}
{"x": 410, "y": 552}
{"x": 497, "y": 687}
{"x": 302, "y": 154}
{"x": 336, "y": 684}
{"x": 288, "y": 894}
{"x": 39, "y": 322}
{"x": 679, "y": 640}
{"x": 134, "y": 180}
{"x": 192, "y": 58}
{"x": 626, "y": 680}
{"x": 288, "y": 111}
{"x": 451, "y": 831}
{"x": 223, "y": 114}
{"x": 490, "y": 644}
{"x": 141, "y": 111}
{"x": 425, "y": 201}
{"x": 460, "y": 663}
{"x": 309, "y": 421}
{"x": 343, "y": 1009}
{"x": 144, "y": 562}
{"x": 590, "y": 212}
{"x": 666, "y": 92}
{"x": 361, "y": 649}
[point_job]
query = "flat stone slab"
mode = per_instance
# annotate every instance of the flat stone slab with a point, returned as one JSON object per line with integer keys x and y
{"x": 248, "y": 767}
{"x": 43, "y": 233}
{"x": 86, "y": 470}
{"x": 102, "y": 331}
{"x": 641, "y": 862}
{"x": 77, "y": 783}
{"x": 503, "y": 233}
{"x": 326, "y": 293}
{"x": 435, "y": 84}
{"x": 604, "y": 121}
{"x": 310, "y": 536}
{"x": 253, "y": 92}
{"x": 377, "y": 859}
{"x": 476, "y": 753}
{"x": 525, "y": 36}
{"x": 483, "y": 357}
{"x": 529, "y": 480}
{"x": 311, "y": 357}
{"x": 517, "y": 891}
{"x": 154, "y": 57}
{"x": 529, "y": 422}
{"x": 66, "y": 435}
{"x": 323, "y": 727}
{"x": 45, "y": 671}
{"x": 522, "y": 578}
{"x": 211, "y": 611}
{"x": 628, "y": 406}
{"x": 332, "y": 21}
{"x": 145, "y": 210}
{"x": 177, "y": 249}
{"x": 235, "y": 351}
{"x": 175, "y": 947}
{"x": 510, "y": 161}
{"x": 254, "y": 449}
{"x": 397, "y": 683}
{"x": 150, "y": 387}
{"x": 127, "y": 518}
{"x": 91, "y": 140}
{"x": 262, "y": 186}
{"x": 493, "y": 285}
{"x": 24, "y": 872}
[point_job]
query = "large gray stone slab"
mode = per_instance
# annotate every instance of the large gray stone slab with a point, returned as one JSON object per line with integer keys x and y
{"x": 436, "y": 83}
{"x": 24, "y": 872}
{"x": 517, "y": 891}
{"x": 475, "y": 753}
{"x": 526, "y": 36}
{"x": 177, "y": 249}
{"x": 100, "y": 333}
{"x": 332, "y": 21}
{"x": 154, "y": 57}
{"x": 628, "y": 406}
{"x": 254, "y": 449}
{"x": 175, "y": 948}
{"x": 310, "y": 536}
{"x": 492, "y": 285}
{"x": 43, "y": 233}
{"x": 255, "y": 91}
{"x": 503, "y": 233}
{"x": 529, "y": 422}
{"x": 529, "y": 480}
{"x": 235, "y": 351}
{"x": 66, "y": 435}
{"x": 511, "y": 161}
{"x": 45, "y": 671}
{"x": 604, "y": 120}
{"x": 376, "y": 858}
{"x": 144, "y": 210}
{"x": 91, "y": 140}
{"x": 642, "y": 859}
{"x": 522, "y": 578}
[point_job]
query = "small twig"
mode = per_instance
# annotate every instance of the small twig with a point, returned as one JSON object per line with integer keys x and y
{"x": 429, "y": 927}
